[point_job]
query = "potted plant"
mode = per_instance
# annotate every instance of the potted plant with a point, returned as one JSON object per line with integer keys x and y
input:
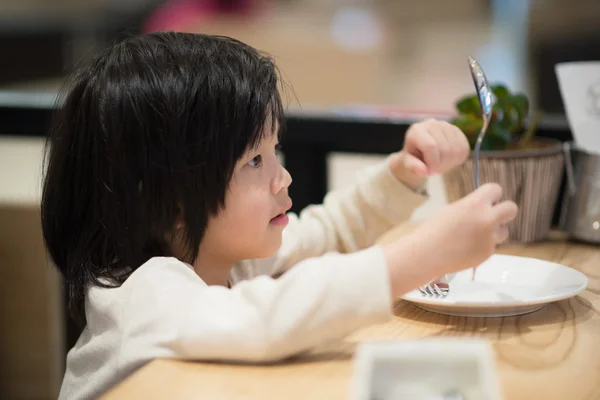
{"x": 528, "y": 168}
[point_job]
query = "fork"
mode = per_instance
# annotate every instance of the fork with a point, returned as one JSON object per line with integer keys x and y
{"x": 436, "y": 288}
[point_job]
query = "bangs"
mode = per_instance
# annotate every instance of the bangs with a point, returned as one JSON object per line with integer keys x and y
{"x": 265, "y": 111}
{"x": 273, "y": 124}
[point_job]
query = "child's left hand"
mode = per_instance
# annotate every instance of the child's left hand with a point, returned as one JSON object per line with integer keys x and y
{"x": 430, "y": 147}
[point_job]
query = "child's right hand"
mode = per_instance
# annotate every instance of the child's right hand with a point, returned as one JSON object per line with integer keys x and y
{"x": 462, "y": 235}
{"x": 465, "y": 233}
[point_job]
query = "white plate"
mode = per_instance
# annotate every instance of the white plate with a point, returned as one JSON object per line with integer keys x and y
{"x": 504, "y": 286}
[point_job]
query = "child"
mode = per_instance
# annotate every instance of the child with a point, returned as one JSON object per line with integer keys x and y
{"x": 164, "y": 207}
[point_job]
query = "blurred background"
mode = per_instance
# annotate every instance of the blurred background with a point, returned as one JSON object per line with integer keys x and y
{"x": 403, "y": 55}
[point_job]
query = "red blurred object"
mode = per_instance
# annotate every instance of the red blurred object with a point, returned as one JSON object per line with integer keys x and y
{"x": 175, "y": 14}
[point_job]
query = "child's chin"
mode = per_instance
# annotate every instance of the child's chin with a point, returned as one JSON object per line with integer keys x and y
{"x": 270, "y": 249}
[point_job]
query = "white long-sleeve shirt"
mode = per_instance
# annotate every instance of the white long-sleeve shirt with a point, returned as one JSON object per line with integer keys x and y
{"x": 334, "y": 281}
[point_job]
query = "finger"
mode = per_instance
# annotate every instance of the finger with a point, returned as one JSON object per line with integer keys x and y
{"x": 465, "y": 147}
{"x": 428, "y": 147}
{"x": 501, "y": 234}
{"x": 488, "y": 193}
{"x": 415, "y": 165}
{"x": 461, "y": 143}
{"x": 445, "y": 147}
{"x": 458, "y": 141}
{"x": 505, "y": 212}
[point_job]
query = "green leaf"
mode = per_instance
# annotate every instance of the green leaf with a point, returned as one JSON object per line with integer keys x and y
{"x": 496, "y": 138}
{"x": 500, "y": 91}
{"x": 499, "y": 113}
{"x": 468, "y": 123}
{"x": 506, "y": 115}
{"x": 469, "y": 105}
{"x": 521, "y": 104}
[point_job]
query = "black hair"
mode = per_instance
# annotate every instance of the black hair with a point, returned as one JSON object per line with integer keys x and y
{"x": 148, "y": 132}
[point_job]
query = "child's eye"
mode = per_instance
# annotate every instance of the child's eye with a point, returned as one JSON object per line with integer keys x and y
{"x": 256, "y": 161}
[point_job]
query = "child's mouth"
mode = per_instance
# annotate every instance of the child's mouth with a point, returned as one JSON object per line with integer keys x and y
{"x": 281, "y": 219}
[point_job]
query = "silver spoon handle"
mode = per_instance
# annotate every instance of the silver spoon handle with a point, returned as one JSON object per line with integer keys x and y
{"x": 476, "y": 166}
{"x": 477, "y": 150}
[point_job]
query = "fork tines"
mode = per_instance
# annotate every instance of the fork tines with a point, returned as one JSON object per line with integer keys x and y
{"x": 434, "y": 290}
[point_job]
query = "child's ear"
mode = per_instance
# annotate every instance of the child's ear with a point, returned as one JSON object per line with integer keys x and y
{"x": 179, "y": 220}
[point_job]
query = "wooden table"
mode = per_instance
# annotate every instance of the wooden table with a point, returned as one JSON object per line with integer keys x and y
{"x": 553, "y": 353}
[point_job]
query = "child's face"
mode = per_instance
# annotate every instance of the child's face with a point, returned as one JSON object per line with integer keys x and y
{"x": 252, "y": 221}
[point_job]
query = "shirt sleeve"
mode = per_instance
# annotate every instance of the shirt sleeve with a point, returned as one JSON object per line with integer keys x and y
{"x": 173, "y": 313}
{"x": 348, "y": 220}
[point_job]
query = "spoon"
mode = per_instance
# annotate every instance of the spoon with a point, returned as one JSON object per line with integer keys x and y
{"x": 484, "y": 94}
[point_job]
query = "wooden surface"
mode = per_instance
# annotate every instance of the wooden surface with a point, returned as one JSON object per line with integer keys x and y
{"x": 553, "y": 353}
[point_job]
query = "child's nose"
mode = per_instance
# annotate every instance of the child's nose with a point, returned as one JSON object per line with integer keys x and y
{"x": 282, "y": 181}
